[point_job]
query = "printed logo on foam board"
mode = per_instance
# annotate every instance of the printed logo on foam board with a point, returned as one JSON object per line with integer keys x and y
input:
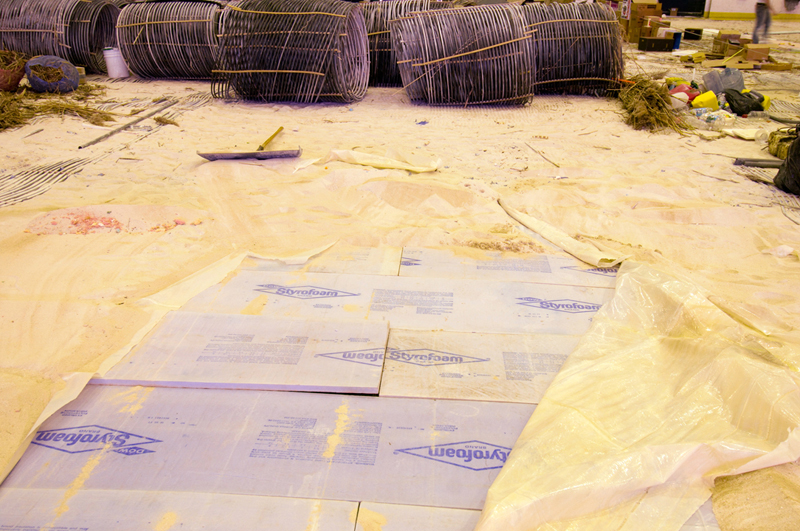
{"x": 371, "y": 356}
{"x": 427, "y": 358}
{"x": 561, "y": 305}
{"x": 474, "y": 455}
{"x": 602, "y": 271}
{"x": 304, "y": 292}
{"x": 91, "y": 438}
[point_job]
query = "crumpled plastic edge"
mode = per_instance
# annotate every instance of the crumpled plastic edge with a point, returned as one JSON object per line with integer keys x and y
{"x": 580, "y": 250}
{"x": 377, "y": 161}
{"x": 784, "y": 452}
{"x": 162, "y": 302}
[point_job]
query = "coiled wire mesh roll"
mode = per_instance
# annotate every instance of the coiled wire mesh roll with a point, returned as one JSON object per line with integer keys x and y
{"x": 76, "y": 30}
{"x": 170, "y": 39}
{"x": 91, "y": 29}
{"x": 383, "y": 71}
{"x": 578, "y": 48}
{"x": 292, "y": 50}
{"x": 465, "y": 56}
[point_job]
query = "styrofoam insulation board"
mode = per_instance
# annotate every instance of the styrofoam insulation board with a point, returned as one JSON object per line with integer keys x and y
{"x": 126, "y": 510}
{"x": 538, "y": 269}
{"x": 338, "y": 259}
{"x": 441, "y": 453}
{"x": 702, "y": 520}
{"x": 256, "y": 352}
{"x": 405, "y": 302}
{"x": 473, "y": 366}
{"x": 386, "y": 517}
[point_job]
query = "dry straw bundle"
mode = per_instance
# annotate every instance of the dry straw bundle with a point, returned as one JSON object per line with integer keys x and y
{"x": 292, "y": 50}
{"x": 383, "y": 70}
{"x": 465, "y": 56}
{"x": 76, "y": 30}
{"x": 578, "y": 48}
{"x": 20, "y": 107}
{"x": 169, "y": 39}
{"x": 648, "y": 106}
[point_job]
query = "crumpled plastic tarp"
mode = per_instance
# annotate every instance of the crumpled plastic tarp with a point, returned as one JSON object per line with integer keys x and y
{"x": 377, "y": 161}
{"x": 665, "y": 392}
{"x": 580, "y": 250}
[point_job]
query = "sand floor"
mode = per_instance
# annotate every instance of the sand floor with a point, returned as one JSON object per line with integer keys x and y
{"x": 140, "y": 211}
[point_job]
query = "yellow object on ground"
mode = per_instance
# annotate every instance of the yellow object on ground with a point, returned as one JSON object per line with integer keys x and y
{"x": 664, "y": 393}
{"x": 706, "y": 99}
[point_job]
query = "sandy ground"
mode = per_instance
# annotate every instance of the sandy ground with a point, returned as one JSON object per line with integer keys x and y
{"x": 144, "y": 212}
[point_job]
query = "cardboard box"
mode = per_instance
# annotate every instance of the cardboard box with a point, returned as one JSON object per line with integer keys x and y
{"x": 722, "y": 39}
{"x": 695, "y": 58}
{"x": 639, "y": 9}
{"x": 756, "y": 52}
{"x": 774, "y": 65}
{"x": 727, "y": 35}
{"x": 723, "y": 63}
{"x": 666, "y": 33}
{"x": 733, "y": 48}
{"x": 634, "y": 30}
{"x": 654, "y": 44}
{"x": 693, "y": 34}
{"x": 654, "y": 24}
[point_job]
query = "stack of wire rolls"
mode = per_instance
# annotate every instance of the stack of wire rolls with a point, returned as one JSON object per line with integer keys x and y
{"x": 292, "y": 50}
{"x": 169, "y": 39}
{"x": 578, "y": 48}
{"x": 75, "y": 30}
{"x": 465, "y": 56}
{"x": 383, "y": 70}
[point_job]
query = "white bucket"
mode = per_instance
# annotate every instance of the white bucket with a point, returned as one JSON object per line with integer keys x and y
{"x": 115, "y": 63}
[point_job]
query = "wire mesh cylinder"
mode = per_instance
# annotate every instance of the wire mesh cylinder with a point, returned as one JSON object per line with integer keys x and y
{"x": 383, "y": 71}
{"x": 169, "y": 39}
{"x": 35, "y": 27}
{"x": 91, "y": 29}
{"x": 292, "y": 50}
{"x": 578, "y": 48}
{"x": 472, "y": 55}
{"x": 75, "y": 30}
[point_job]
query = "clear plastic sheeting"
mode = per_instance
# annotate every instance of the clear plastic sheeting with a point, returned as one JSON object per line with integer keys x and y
{"x": 663, "y": 394}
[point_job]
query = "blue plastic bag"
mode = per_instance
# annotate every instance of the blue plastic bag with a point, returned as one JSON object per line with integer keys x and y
{"x": 67, "y": 83}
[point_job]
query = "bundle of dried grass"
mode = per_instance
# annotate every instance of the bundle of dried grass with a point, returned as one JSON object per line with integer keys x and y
{"x": 648, "y": 106}
{"x": 10, "y": 60}
{"x": 20, "y": 107}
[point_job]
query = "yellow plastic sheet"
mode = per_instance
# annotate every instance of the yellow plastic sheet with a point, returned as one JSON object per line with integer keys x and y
{"x": 580, "y": 250}
{"x": 377, "y": 161}
{"x": 664, "y": 393}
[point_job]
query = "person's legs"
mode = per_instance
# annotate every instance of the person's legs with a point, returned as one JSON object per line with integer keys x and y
{"x": 767, "y": 23}
{"x": 761, "y": 13}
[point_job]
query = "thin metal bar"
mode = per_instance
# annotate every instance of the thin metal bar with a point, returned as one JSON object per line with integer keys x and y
{"x": 123, "y": 127}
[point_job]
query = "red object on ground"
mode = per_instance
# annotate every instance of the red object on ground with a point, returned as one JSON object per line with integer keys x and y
{"x": 686, "y": 89}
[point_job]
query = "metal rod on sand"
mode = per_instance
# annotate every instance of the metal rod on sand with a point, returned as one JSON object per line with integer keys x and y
{"x": 127, "y": 125}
